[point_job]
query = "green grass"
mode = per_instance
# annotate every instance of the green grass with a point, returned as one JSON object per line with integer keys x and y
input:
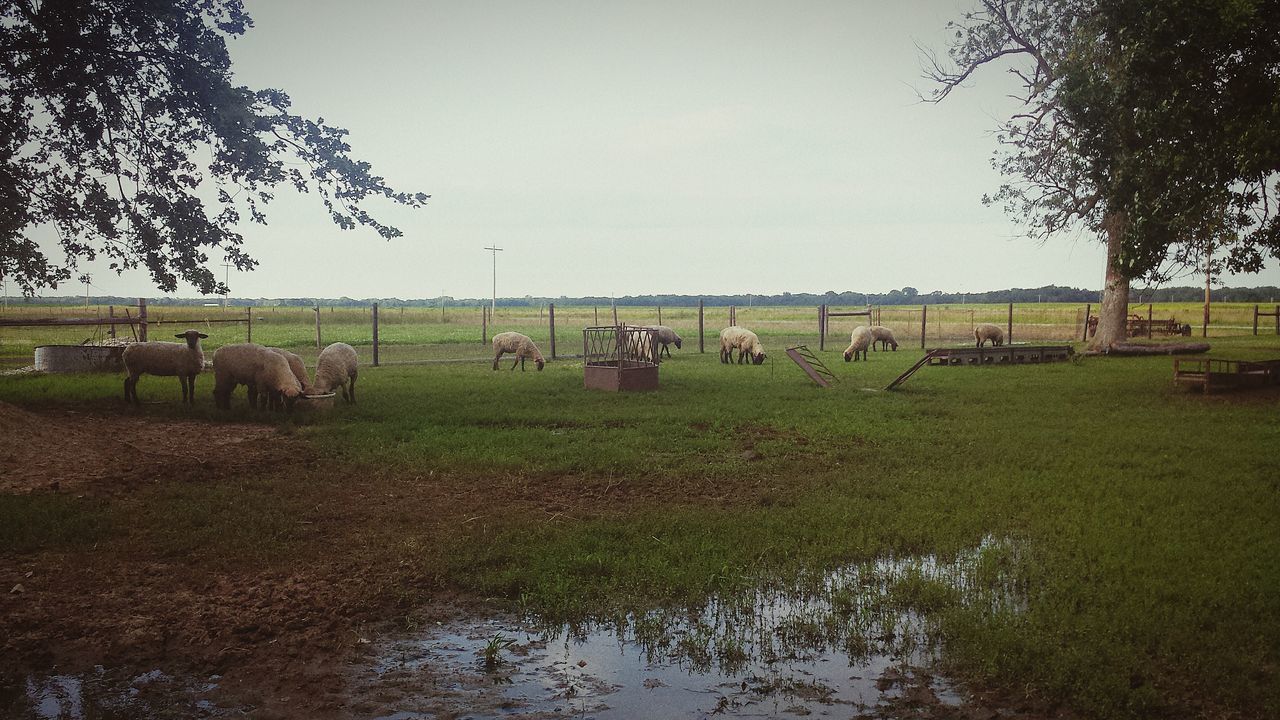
{"x": 1143, "y": 518}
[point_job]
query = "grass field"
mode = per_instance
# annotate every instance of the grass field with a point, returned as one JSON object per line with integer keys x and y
{"x": 1144, "y": 521}
{"x": 423, "y": 334}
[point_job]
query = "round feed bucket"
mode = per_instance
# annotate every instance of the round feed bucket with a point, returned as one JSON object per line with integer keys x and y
{"x": 315, "y": 403}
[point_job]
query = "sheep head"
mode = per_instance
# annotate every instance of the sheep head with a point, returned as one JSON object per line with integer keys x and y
{"x": 193, "y": 337}
{"x": 758, "y": 358}
{"x": 539, "y": 362}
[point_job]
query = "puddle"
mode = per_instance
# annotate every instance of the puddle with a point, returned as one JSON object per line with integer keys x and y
{"x": 840, "y": 644}
{"x": 103, "y": 694}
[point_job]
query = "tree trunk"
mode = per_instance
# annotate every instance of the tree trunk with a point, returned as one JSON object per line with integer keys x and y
{"x": 1114, "y": 313}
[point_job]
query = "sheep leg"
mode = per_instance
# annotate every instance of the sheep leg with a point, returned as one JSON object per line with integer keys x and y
{"x": 496, "y": 358}
{"x": 517, "y": 362}
{"x": 353, "y": 390}
{"x": 742, "y": 356}
{"x": 131, "y": 389}
{"x": 252, "y": 390}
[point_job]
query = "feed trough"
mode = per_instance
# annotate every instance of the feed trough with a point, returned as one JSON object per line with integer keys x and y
{"x": 620, "y": 357}
{"x": 79, "y": 358}
{"x": 315, "y": 403}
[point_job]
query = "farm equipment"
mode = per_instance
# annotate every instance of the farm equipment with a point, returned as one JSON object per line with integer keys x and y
{"x": 1213, "y": 374}
{"x": 1138, "y": 326}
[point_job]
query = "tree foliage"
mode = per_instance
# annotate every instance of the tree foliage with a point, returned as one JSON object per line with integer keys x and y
{"x": 123, "y": 134}
{"x": 1152, "y": 120}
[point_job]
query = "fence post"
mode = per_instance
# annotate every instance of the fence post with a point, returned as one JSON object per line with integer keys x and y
{"x": 317, "y": 326}
{"x": 111, "y": 313}
{"x": 924, "y": 323}
{"x": 1009, "y": 335}
{"x": 659, "y": 314}
{"x": 1255, "y": 320}
{"x": 551, "y": 318}
{"x": 1278, "y": 319}
{"x": 615, "y": 313}
{"x": 822, "y": 327}
{"x": 248, "y": 317}
{"x": 1084, "y": 334}
{"x": 701, "y": 335}
{"x": 484, "y": 324}
{"x": 1149, "y": 316}
{"x": 733, "y": 314}
{"x": 375, "y": 334}
{"x": 142, "y": 319}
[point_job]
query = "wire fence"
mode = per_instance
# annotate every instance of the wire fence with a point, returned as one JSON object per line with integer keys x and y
{"x": 421, "y": 334}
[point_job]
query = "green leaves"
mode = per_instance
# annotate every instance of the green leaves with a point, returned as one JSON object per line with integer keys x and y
{"x": 110, "y": 111}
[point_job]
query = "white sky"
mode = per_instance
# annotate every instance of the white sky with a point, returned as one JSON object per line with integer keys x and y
{"x": 640, "y": 147}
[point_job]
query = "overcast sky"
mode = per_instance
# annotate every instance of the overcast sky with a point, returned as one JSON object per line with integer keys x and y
{"x": 623, "y": 148}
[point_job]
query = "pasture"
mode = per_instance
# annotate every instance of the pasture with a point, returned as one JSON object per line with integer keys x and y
{"x": 1134, "y": 574}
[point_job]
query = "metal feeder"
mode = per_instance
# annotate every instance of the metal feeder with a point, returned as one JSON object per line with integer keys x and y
{"x": 620, "y": 357}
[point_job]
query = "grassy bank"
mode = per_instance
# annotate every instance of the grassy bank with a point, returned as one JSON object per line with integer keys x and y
{"x": 1144, "y": 517}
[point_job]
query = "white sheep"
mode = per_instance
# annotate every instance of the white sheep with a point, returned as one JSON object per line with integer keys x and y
{"x": 859, "y": 341}
{"x": 259, "y": 370}
{"x": 666, "y": 336}
{"x": 884, "y": 336}
{"x": 745, "y": 341}
{"x": 296, "y": 365}
{"x": 986, "y": 331}
{"x": 521, "y": 345}
{"x": 185, "y": 360}
{"x": 337, "y": 367}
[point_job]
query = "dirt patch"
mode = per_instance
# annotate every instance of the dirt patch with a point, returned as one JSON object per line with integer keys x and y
{"x": 74, "y": 451}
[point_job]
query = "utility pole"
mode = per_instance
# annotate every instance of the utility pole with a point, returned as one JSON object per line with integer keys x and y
{"x": 495, "y": 249}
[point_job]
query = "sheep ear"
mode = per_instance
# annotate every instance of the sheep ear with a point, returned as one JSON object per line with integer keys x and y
{"x": 180, "y": 335}
{"x": 202, "y": 336}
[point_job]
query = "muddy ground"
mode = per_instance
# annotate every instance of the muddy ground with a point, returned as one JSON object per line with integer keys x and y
{"x": 280, "y": 636}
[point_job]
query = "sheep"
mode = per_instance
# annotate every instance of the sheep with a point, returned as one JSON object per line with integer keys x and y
{"x": 986, "y": 331}
{"x": 521, "y": 345}
{"x": 666, "y": 336}
{"x": 165, "y": 358}
{"x": 337, "y": 366}
{"x": 884, "y": 336}
{"x": 296, "y": 366}
{"x": 859, "y": 341}
{"x": 745, "y": 341}
{"x": 259, "y": 370}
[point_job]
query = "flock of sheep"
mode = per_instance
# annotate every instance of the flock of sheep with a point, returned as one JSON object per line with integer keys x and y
{"x": 282, "y": 378}
{"x": 276, "y": 373}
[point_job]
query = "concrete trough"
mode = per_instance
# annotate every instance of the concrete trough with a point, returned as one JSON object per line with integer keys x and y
{"x": 79, "y": 358}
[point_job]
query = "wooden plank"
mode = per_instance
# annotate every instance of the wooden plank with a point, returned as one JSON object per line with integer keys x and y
{"x": 911, "y": 370}
{"x": 801, "y": 356}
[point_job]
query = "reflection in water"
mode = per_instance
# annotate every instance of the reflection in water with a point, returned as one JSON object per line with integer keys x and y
{"x": 105, "y": 694}
{"x": 847, "y": 638}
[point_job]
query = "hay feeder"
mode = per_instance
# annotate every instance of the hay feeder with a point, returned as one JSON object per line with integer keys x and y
{"x": 620, "y": 357}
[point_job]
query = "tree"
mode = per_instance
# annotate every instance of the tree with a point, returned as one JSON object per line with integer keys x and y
{"x": 1149, "y": 124}
{"x": 118, "y": 121}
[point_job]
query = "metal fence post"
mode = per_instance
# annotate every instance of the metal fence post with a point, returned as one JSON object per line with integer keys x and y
{"x": 924, "y": 323}
{"x": 317, "y": 326}
{"x": 551, "y": 318}
{"x": 248, "y": 318}
{"x": 375, "y": 334}
{"x": 701, "y": 335}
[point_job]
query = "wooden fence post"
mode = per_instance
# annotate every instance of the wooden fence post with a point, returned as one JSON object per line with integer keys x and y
{"x": 701, "y": 335}
{"x": 733, "y": 314}
{"x": 111, "y": 313}
{"x": 659, "y": 314}
{"x": 375, "y": 334}
{"x": 551, "y": 318}
{"x": 822, "y": 327}
{"x": 142, "y": 319}
{"x": 484, "y": 324}
{"x": 317, "y": 326}
{"x": 1149, "y": 315}
{"x": 248, "y": 318}
{"x": 615, "y": 313}
{"x": 1278, "y": 319}
{"x": 924, "y": 323}
{"x": 1084, "y": 334}
{"x": 1255, "y": 320}
{"x": 1009, "y": 334}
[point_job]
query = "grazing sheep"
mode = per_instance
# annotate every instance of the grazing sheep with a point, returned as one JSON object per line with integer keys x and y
{"x": 165, "y": 358}
{"x": 986, "y": 331}
{"x": 666, "y": 336}
{"x": 884, "y": 336}
{"x": 746, "y": 343}
{"x": 259, "y": 370}
{"x": 859, "y": 341}
{"x": 521, "y": 345}
{"x": 337, "y": 367}
{"x": 296, "y": 366}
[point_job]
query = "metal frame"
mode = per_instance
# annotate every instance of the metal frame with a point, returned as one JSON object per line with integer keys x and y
{"x": 620, "y": 358}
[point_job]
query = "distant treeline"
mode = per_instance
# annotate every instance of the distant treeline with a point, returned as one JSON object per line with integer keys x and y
{"x": 905, "y": 296}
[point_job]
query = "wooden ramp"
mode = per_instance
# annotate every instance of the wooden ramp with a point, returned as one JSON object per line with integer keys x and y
{"x": 813, "y": 367}
{"x": 911, "y": 370}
